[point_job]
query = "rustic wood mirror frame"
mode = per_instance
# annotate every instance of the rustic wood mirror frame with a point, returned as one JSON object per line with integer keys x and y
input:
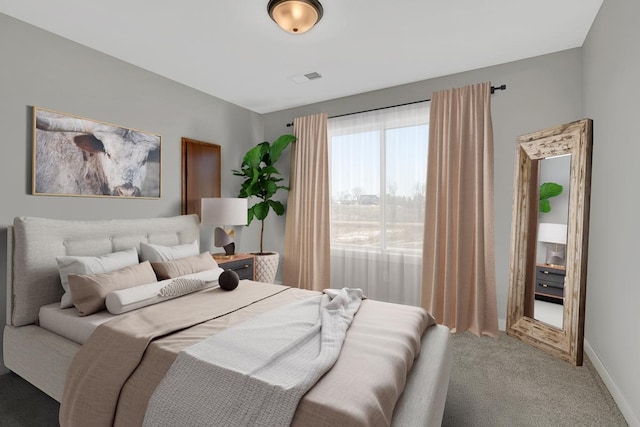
{"x": 576, "y": 139}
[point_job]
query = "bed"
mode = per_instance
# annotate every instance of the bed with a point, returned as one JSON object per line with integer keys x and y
{"x": 38, "y": 352}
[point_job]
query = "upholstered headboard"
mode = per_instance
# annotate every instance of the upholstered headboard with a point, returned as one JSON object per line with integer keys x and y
{"x": 34, "y": 244}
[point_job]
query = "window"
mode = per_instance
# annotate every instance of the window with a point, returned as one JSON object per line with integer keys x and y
{"x": 378, "y": 179}
{"x": 378, "y": 169}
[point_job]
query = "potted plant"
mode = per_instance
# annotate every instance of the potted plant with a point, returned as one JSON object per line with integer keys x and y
{"x": 262, "y": 181}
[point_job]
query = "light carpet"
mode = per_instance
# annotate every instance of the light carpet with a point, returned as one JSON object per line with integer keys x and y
{"x": 505, "y": 382}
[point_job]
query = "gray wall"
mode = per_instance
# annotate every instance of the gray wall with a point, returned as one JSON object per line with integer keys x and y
{"x": 44, "y": 70}
{"x": 611, "y": 96}
{"x": 541, "y": 92}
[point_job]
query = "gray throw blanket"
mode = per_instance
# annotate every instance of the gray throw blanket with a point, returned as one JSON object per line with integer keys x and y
{"x": 254, "y": 374}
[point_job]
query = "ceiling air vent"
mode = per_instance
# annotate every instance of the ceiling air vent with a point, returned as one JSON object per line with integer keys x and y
{"x": 313, "y": 76}
{"x": 304, "y": 78}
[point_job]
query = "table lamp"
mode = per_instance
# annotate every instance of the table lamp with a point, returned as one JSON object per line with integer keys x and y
{"x": 224, "y": 212}
{"x": 554, "y": 238}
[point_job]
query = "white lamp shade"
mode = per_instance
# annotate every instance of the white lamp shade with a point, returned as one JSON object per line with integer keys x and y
{"x": 552, "y": 233}
{"x": 224, "y": 211}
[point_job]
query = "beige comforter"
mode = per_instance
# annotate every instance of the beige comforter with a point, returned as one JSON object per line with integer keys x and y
{"x": 115, "y": 373}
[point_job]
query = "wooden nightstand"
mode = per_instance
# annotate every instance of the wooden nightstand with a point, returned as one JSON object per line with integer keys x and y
{"x": 243, "y": 264}
{"x": 550, "y": 283}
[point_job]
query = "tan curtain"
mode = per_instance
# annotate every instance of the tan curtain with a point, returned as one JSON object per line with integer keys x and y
{"x": 458, "y": 278}
{"x": 307, "y": 238}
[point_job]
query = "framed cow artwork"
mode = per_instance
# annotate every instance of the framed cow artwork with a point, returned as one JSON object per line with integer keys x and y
{"x": 74, "y": 156}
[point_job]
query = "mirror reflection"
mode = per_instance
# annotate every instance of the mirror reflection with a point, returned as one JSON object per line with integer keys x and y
{"x": 550, "y": 264}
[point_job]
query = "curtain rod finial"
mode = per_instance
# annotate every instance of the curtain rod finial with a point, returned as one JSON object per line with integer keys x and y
{"x": 501, "y": 87}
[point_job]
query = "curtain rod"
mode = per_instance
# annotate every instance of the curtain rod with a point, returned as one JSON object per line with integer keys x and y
{"x": 493, "y": 89}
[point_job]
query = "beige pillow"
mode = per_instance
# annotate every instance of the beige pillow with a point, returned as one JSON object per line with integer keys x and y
{"x": 88, "y": 292}
{"x": 91, "y": 265}
{"x": 183, "y": 266}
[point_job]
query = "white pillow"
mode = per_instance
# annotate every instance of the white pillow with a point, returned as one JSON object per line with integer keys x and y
{"x": 91, "y": 265}
{"x": 155, "y": 253}
{"x": 124, "y": 300}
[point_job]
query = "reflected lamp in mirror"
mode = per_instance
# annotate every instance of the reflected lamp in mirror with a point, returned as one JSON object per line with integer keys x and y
{"x": 554, "y": 238}
{"x": 224, "y": 212}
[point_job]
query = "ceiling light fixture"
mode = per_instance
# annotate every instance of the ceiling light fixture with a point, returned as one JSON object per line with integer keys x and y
{"x": 295, "y": 16}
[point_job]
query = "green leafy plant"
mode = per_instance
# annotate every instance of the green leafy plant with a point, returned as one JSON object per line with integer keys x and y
{"x": 262, "y": 179}
{"x": 547, "y": 191}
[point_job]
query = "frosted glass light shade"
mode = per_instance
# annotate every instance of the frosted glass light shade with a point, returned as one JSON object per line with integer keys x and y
{"x": 224, "y": 211}
{"x": 295, "y": 16}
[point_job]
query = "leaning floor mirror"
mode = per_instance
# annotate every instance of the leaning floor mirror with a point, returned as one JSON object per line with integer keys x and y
{"x": 549, "y": 237}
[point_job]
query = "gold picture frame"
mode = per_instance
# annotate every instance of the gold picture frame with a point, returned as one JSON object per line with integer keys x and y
{"x": 76, "y": 156}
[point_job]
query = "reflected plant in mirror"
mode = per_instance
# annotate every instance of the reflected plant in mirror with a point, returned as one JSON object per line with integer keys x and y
{"x": 547, "y": 191}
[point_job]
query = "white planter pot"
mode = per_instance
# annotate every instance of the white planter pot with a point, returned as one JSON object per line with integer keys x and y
{"x": 266, "y": 267}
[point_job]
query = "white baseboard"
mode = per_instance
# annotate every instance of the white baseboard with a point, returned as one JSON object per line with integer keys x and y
{"x": 626, "y": 410}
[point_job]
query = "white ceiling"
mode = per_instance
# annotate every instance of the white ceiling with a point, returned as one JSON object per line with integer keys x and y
{"x": 231, "y": 49}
